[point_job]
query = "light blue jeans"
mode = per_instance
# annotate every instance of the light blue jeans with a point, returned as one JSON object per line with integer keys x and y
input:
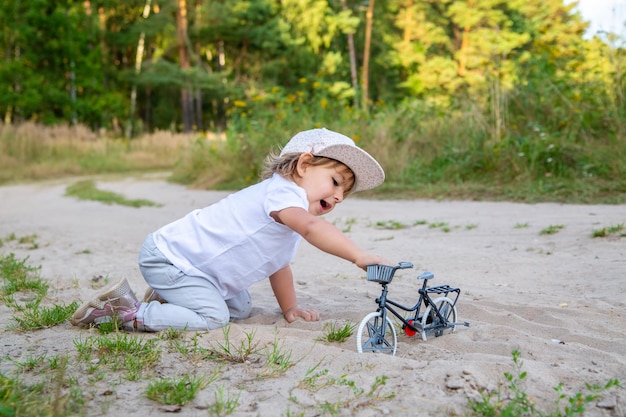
{"x": 193, "y": 303}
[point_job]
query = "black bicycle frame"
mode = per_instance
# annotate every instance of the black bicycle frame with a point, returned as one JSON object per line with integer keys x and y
{"x": 384, "y": 304}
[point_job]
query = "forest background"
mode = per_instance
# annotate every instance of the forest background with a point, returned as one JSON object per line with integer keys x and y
{"x": 483, "y": 99}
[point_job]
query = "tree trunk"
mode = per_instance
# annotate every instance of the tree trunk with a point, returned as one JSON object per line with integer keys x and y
{"x": 197, "y": 90}
{"x": 219, "y": 104}
{"x": 138, "y": 61}
{"x": 198, "y": 109}
{"x": 183, "y": 57}
{"x": 366, "y": 54}
{"x": 353, "y": 65}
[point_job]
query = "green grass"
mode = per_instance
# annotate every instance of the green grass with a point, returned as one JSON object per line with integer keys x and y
{"x": 390, "y": 225}
{"x": 513, "y": 401}
{"x": 87, "y": 190}
{"x": 131, "y": 354}
{"x": 30, "y": 241}
{"x": 552, "y": 229}
{"x": 39, "y": 317}
{"x": 277, "y": 359}
{"x": 443, "y": 226}
{"x": 57, "y": 395}
{"x": 177, "y": 391}
{"x": 234, "y": 352}
{"x": 337, "y": 333}
{"x": 224, "y": 404}
{"x": 616, "y": 230}
{"x": 19, "y": 278}
{"x": 354, "y": 396}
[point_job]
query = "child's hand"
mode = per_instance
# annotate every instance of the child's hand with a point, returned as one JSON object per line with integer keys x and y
{"x": 369, "y": 259}
{"x": 305, "y": 314}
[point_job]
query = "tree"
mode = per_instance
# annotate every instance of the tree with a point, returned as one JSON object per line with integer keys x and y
{"x": 186, "y": 96}
{"x": 138, "y": 61}
{"x": 369, "y": 22}
{"x": 353, "y": 63}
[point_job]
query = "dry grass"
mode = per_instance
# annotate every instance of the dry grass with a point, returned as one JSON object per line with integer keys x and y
{"x": 30, "y": 151}
{"x": 34, "y": 131}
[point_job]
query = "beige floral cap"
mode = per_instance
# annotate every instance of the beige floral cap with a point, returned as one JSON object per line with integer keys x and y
{"x": 367, "y": 171}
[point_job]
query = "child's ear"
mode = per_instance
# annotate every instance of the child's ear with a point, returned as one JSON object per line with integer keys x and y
{"x": 303, "y": 163}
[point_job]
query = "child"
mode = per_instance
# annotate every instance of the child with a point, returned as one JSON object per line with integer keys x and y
{"x": 200, "y": 266}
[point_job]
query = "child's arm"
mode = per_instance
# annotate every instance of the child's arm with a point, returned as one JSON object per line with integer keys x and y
{"x": 326, "y": 237}
{"x": 282, "y": 285}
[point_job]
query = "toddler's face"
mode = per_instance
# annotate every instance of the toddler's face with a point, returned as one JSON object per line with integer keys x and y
{"x": 325, "y": 186}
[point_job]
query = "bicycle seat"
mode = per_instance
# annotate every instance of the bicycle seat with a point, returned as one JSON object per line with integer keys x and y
{"x": 426, "y": 275}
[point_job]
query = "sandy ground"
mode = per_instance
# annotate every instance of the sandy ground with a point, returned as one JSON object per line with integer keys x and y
{"x": 558, "y": 299}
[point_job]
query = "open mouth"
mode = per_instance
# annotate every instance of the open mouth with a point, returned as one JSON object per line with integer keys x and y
{"x": 324, "y": 205}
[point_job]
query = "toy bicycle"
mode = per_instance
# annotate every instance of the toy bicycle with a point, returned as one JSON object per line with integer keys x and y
{"x": 376, "y": 333}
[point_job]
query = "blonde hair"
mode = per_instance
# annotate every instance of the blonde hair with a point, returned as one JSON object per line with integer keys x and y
{"x": 286, "y": 165}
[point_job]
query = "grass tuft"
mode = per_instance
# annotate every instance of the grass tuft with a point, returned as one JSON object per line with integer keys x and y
{"x": 57, "y": 395}
{"x": 277, "y": 359}
{"x": 176, "y": 391}
{"x": 552, "y": 229}
{"x": 132, "y": 354}
{"x": 609, "y": 231}
{"x": 232, "y": 352}
{"x": 87, "y": 190}
{"x": 23, "y": 291}
{"x": 334, "y": 332}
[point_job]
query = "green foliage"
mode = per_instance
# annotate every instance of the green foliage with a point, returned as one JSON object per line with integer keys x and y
{"x": 78, "y": 63}
{"x": 54, "y": 69}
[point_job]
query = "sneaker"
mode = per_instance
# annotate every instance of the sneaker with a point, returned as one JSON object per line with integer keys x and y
{"x": 151, "y": 295}
{"x": 117, "y": 301}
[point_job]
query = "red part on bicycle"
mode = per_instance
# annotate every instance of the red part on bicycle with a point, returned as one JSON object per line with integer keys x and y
{"x": 408, "y": 330}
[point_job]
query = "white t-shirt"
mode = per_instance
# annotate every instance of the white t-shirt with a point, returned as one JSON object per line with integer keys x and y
{"x": 234, "y": 242}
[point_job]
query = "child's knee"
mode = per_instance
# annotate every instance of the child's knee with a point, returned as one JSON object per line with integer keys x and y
{"x": 216, "y": 319}
{"x": 240, "y": 307}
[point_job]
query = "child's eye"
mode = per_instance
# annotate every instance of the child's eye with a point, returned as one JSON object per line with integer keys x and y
{"x": 335, "y": 182}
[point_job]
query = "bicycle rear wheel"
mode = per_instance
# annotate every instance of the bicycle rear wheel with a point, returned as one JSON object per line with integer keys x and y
{"x": 431, "y": 323}
{"x": 374, "y": 335}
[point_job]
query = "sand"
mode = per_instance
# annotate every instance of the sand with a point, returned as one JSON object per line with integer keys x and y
{"x": 556, "y": 298}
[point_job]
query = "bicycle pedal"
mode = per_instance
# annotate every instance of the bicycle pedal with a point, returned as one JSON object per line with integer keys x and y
{"x": 409, "y": 330}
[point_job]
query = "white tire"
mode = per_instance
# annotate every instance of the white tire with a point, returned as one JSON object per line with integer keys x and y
{"x": 370, "y": 338}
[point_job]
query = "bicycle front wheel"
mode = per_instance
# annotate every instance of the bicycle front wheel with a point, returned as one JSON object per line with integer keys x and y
{"x": 376, "y": 335}
{"x": 431, "y": 323}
